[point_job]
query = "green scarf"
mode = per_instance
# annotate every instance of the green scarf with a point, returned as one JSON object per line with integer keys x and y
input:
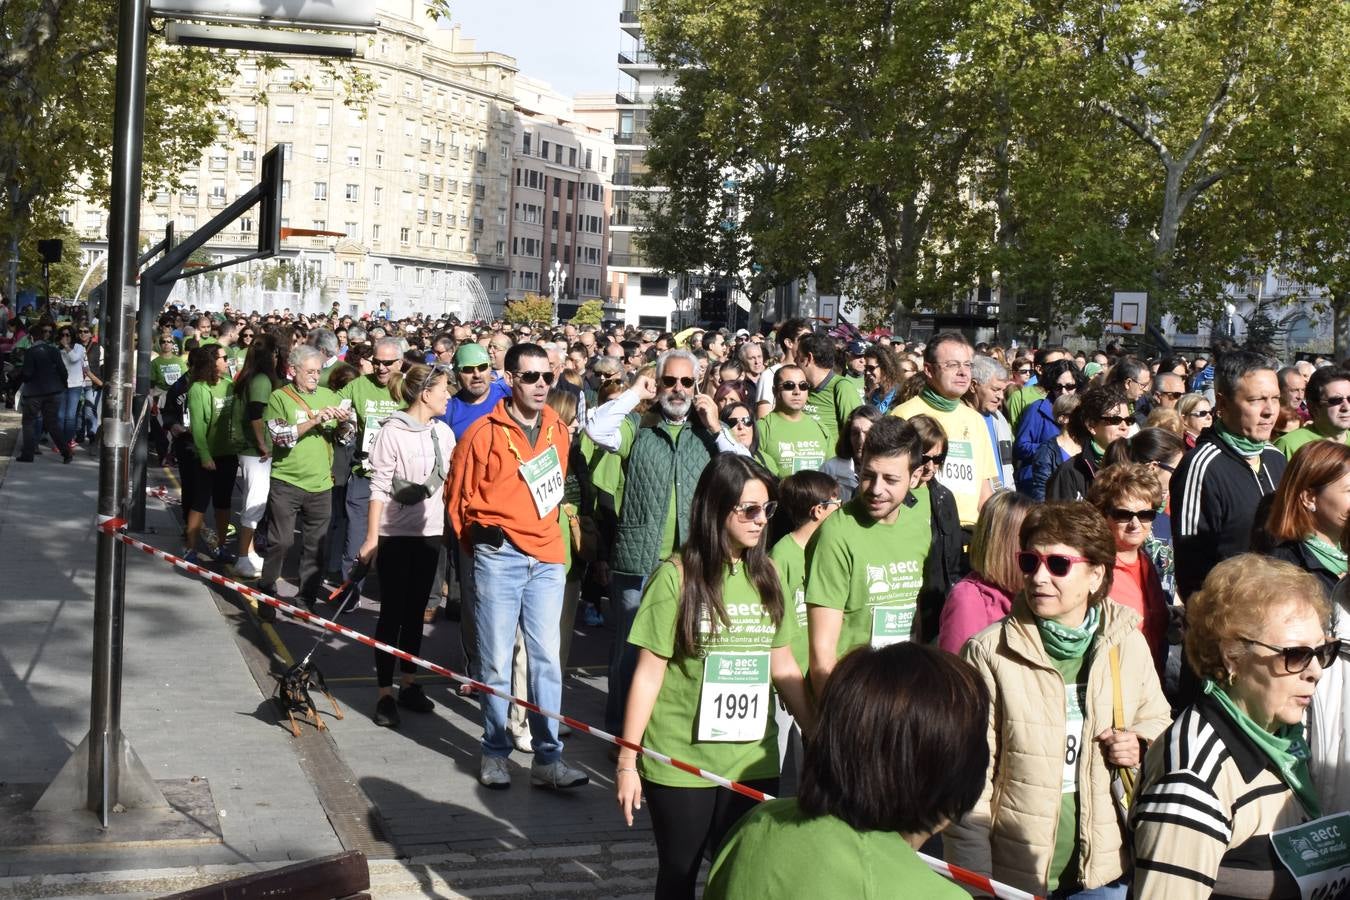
{"x": 1332, "y": 558}
{"x": 1062, "y": 642}
{"x": 937, "y": 401}
{"x": 1245, "y": 447}
{"x": 1286, "y": 749}
{"x": 1096, "y": 451}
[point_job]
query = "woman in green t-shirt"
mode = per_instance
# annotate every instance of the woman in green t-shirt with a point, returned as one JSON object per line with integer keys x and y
{"x": 712, "y": 633}
{"x": 889, "y": 719}
{"x": 209, "y": 412}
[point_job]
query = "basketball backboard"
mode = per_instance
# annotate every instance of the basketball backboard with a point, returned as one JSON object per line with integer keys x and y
{"x": 1129, "y": 313}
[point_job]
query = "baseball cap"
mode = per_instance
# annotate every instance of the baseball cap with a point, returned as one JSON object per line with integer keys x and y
{"x": 471, "y": 354}
{"x": 856, "y": 348}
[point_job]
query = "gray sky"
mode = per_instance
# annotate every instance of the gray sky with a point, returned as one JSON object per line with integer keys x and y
{"x": 570, "y": 44}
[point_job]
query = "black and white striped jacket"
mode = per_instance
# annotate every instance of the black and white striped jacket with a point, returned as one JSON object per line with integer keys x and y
{"x": 1204, "y": 811}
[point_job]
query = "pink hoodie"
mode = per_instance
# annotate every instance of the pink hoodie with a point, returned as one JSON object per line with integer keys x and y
{"x": 973, "y": 604}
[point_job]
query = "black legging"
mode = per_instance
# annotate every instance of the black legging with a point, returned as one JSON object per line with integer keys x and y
{"x": 407, "y": 567}
{"x": 687, "y": 822}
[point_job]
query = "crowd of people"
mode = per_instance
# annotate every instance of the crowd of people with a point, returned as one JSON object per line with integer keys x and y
{"x": 1068, "y": 620}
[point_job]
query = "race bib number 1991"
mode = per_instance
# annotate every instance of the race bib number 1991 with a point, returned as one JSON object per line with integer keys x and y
{"x": 734, "y": 702}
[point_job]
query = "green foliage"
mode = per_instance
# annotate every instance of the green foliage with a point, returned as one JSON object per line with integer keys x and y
{"x": 532, "y": 309}
{"x": 65, "y": 275}
{"x": 592, "y": 312}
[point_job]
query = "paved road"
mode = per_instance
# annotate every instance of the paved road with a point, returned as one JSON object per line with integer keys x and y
{"x": 196, "y": 706}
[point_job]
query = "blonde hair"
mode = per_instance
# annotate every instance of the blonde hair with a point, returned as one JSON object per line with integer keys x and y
{"x": 1169, "y": 419}
{"x": 994, "y": 542}
{"x": 408, "y": 384}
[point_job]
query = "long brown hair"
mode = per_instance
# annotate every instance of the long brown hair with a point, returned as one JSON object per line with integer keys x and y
{"x": 706, "y": 555}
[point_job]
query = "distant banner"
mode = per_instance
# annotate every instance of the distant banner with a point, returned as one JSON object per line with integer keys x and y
{"x": 329, "y": 13}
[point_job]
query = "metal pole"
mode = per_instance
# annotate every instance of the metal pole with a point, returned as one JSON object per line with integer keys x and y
{"x": 105, "y": 726}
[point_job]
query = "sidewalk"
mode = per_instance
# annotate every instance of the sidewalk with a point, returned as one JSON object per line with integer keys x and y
{"x": 195, "y": 704}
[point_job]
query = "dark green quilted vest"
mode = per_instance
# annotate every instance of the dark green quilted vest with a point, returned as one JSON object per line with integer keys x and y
{"x": 656, "y": 466}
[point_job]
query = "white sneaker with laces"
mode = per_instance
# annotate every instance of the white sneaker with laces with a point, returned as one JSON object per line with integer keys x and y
{"x": 523, "y": 742}
{"x": 557, "y": 775}
{"x": 493, "y": 773}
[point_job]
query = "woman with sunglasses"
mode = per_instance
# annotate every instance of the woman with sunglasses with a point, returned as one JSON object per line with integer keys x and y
{"x": 1128, "y": 495}
{"x": 1038, "y": 425}
{"x": 1308, "y": 513}
{"x": 736, "y": 418}
{"x": 217, "y": 439}
{"x": 1056, "y": 452}
{"x": 1057, "y": 669}
{"x": 715, "y": 608}
{"x": 1197, "y": 414}
{"x": 946, "y": 562}
{"x": 789, "y": 440}
{"x": 882, "y": 376}
{"x": 1233, "y": 769}
{"x": 1102, "y": 418}
{"x": 73, "y": 355}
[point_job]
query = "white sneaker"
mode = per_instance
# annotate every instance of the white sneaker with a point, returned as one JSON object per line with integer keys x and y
{"x": 523, "y": 742}
{"x": 557, "y": 775}
{"x": 247, "y": 567}
{"x": 493, "y": 773}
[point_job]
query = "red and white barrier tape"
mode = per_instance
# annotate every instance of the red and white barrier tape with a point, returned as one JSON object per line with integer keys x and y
{"x": 113, "y": 526}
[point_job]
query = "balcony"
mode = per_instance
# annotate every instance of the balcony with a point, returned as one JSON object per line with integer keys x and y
{"x": 637, "y": 58}
{"x": 636, "y": 96}
{"x": 627, "y": 260}
{"x": 636, "y": 137}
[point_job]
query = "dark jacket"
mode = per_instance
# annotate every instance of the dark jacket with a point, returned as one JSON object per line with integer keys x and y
{"x": 946, "y": 563}
{"x": 1049, "y": 457}
{"x": 1295, "y": 552}
{"x": 1072, "y": 479}
{"x": 1216, "y": 501}
{"x": 44, "y": 372}
{"x": 1035, "y": 428}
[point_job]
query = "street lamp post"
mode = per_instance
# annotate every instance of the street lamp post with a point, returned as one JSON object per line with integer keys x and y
{"x": 557, "y": 277}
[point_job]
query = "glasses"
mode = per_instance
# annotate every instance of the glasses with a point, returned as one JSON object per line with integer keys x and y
{"x": 1023, "y": 370}
{"x": 473, "y": 370}
{"x": 793, "y": 387}
{"x": 1297, "y": 659}
{"x": 1029, "y": 562}
{"x": 1143, "y": 384}
{"x": 532, "y": 377}
{"x": 833, "y": 501}
{"x": 936, "y": 459}
{"x": 384, "y": 363}
{"x": 1114, "y": 420}
{"x": 1172, "y": 395}
{"x": 1165, "y": 467}
{"x": 222, "y": 356}
{"x": 955, "y": 366}
{"x": 733, "y": 421}
{"x": 670, "y": 381}
{"x": 1335, "y": 401}
{"x": 749, "y": 512}
{"x": 246, "y": 334}
{"x": 1122, "y": 516}
{"x": 1203, "y": 414}
{"x": 871, "y": 368}
{"x": 1068, "y": 388}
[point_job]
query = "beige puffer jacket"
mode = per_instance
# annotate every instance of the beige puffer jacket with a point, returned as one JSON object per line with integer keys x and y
{"x": 1010, "y": 834}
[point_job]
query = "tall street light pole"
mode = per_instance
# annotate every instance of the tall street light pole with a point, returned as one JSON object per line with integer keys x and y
{"x": 557, "y": 277}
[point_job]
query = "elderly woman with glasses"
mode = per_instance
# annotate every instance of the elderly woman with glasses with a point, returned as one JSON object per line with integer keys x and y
{"x": 1074, "y": 697}
{"x": 789, "y": 440}
{"x": 1232, "y": 771}
{"x": 1103, "y": 417}
{"x": 1038, "y": 424}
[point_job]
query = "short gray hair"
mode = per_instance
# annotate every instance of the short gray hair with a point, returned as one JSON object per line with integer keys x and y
{"x": 664, "y": 360}
{"x": 986, "y": 369}
{"x": 326, "y": 341}
{"x": 303, "y": 353}
{"x": 355, "y": 333}
{"x": 396, "y": 343}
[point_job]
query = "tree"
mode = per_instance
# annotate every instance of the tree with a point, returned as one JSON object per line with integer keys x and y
{"x": 65, "y": 275}
{"x": 532, "y": 309}
{"x": 592, "y": 312}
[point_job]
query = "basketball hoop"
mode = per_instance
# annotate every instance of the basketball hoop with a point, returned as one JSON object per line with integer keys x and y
{"x": 1128, "y": 326}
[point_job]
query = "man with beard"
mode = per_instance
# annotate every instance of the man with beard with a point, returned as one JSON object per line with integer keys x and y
{"x": 369, "y": 397}
{"x": 478, "y": 391}
{"x": 663, "y": 457}
{"x": 506, "y": 482}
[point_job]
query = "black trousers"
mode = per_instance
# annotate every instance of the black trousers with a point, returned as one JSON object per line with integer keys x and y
{"x": 407, "y": 567}
{"x": 689, "y": 823}
{"x": 286, "y": 503}
{"x": 44, "y": 407}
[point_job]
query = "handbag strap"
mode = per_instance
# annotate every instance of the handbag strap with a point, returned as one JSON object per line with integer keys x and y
{"x": 1117, "y": 704}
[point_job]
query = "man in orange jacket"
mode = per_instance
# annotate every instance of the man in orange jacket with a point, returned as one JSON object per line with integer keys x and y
{"x": 506, "y": 481}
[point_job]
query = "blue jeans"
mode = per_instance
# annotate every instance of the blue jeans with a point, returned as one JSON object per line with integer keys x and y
{"x": 518, "y": 590}
{"x": 89, "y": 420}
{"x": 1116, "y": 890}
{"x": 358, "y": 509}
{"x": 626, "y": 591}
{"x": 70, "y": 404}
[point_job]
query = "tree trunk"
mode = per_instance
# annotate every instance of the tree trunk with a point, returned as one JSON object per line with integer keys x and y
{"x": 1169, "y": 223}
{"x": 1340, "y": 329}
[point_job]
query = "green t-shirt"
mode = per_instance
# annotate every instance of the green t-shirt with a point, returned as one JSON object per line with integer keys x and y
{"x": 1020, "y": 399}
{"x": 831, "y": 403}
{"x": 372, "y": 404}
{"x": 166, "y": 370}
{"x": 258, "y": 390}
{"x": 787, "y": 447}
{"x": 209, "y": 410}
{"x": 606, "y": 468}
{"x": 790, "y": 558}
{"x": 870, "y": 571}
{"x": 1064, "y": 863}
{"x": 308, "y": 464}
{"x": 777, "y": 851}
{"x": 1291, "y": 443}
{"x": 673, "y": 728}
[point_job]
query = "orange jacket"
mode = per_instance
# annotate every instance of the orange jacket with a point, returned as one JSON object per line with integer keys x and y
{"x": 485, "y": 486}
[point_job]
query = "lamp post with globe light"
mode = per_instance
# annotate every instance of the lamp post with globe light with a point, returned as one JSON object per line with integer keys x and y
{"x": 557, "y": 277}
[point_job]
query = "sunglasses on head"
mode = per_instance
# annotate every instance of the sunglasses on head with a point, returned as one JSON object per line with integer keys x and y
{"x": 749, "y": 512}
{"x": 794, "y": 386}
{"x": 1119, "y": 514}
{"x": 473, "y": 370}
{"x": 1297, "y": 659}
{"x": 1029, "y": 562}
{"x": 733, "y": 421}
{"x": 670, "y": 381}
{"x": 532, "y": 377}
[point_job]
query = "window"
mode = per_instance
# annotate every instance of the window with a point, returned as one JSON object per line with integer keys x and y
{"x": 588, "y": 159}
{"x": 379, "y": 196}
{"x": 348, "y": 269}
{"x": 352, "y": 193}
{"x": 286, "y": 151}
{"x": 320, "y": 190}
{"x": 352, "y": 230}
{"x": 217, "y": 193}
{"x": 525, "y": 144}
{"x": 375, "y": 236}
{"x": 403, "y": 237}
{"x": 376, "y": 270}
{"x": 398, "y": 274}
{"x": 189, "y": 223}
{"x": 218, "y": 158}
{"x": 353, "y": 156}
{"x": 381, "y": 120}
{"x": 247, "y": 159}
{"x": 285, "y": 75}
{"x": 322, "y": 116}
{"x": 501, "y": 248}
{"x": 321, "y": 225}
{"x": 321, "y": 153}
{"x": 246, "y": 225}
{"x": 543, "y": 149}
{"x": 557, "y": 153}
{"x": 285, "y": 190}
{"x": 353, "y": 117}
{"x": 572, "y": 157}
{"x": 250, "y": 75}
{"x": 284, "y": 114}
{"x": 379, "y": 159}
{"x": 248, "y": 120}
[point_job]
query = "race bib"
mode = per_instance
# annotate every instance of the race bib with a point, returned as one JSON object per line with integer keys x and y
{"x": 734, "y": 702}
{"x": 892, "y": 624}
{"x": 1073, "y": 737}
{"x": 960, "y": 465}
{"x": 544, "y": 476}
{"x": 171, "y": 374}
{"x": 368, "y": 436}
{"x": 803, "y": 463}
{"x": 1317, "y": 854}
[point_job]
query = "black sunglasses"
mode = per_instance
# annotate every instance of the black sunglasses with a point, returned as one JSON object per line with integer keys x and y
{"x": 733, "y": 421}
{"x": 1297, "y": 659}
{"x": 384, "y": 363}
{"x": 1114, "y": 420}
{"x": 532, "y": 377}
{"x": 1068, "y": 388}
{"x": 794, "y": 386}
{"x": 670, "y": 381}
{"x": 1118, "y": 514}
{"x": 1029, "y": 561}
{"x": 473, "y": 370}
{"x": 1172, "y": 395}
{"x": 936, "y": 459}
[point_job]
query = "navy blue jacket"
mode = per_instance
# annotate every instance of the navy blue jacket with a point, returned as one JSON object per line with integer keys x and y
{"x": 44, "y": 371}
{"x": 1036, "y": 427}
